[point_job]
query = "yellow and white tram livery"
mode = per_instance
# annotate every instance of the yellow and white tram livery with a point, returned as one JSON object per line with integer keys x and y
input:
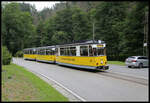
{"x": 89, "y": 55}
{"x": 29, "y": 53}
{"x": 46, "y": 54}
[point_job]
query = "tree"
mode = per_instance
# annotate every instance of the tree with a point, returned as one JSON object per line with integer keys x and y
{"x": 134, "y": 29}
{"x": 17, "y": 28}
{"x": 81, "y": 27}
{"x": 109, "y": 16}
{"x": 63, "y": 23}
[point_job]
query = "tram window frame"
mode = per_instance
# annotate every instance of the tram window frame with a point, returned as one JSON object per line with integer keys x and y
{"x": 56, "y": 52}
{"x": 34, "y": 51}
{"x": 62, "y": 51}
{"x": 102, "y": 51}
{"x": 26, "y": 51}
{"x": 39, "y": 53}
{"x": 67, "y": 51}
{"x": 30, "y": 52}
{"x": 72, "y": 51}
{"x": 43, "y": 52}
{"x": 47, "y": 51}
{"x": 83, "y": 49}
{"x": 90, "y": 50}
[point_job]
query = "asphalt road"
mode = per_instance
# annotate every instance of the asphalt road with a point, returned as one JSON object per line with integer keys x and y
{"x": 95, "y": 86}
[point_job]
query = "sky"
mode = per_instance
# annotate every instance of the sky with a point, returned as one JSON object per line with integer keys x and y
{"x": 41, "y": 4}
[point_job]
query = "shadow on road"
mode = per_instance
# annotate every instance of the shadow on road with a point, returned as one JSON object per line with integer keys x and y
{"x": 82, "y": 69}
{"x": 68, "y": 67}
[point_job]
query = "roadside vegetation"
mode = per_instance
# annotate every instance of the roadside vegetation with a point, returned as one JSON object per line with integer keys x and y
{"x": 6, "y": 56}
{"x": 116, "y": 63}
{"x": 19, "y": 84}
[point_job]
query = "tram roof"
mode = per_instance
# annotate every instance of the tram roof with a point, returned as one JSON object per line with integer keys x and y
{"x": 39, "y": 47}
{"x": 83, "y": 43}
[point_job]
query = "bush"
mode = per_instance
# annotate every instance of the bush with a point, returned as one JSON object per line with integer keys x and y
{"x": 6, "y": 56}
{"x": 19, "y": 54}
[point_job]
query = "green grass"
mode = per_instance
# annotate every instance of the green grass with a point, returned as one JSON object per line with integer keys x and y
{"x": 19, "y": 84}
{"x": 116, "y": 63}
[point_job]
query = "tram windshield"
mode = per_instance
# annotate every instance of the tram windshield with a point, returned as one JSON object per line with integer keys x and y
{"x": 97, "y": 51}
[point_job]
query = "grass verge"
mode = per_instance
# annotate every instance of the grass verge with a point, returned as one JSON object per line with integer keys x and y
{"x": 116, "y": 63}
{"x": 19, "y": 84}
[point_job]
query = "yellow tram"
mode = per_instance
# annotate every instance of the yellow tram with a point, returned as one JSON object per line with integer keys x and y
{"x": 89, "y": 54}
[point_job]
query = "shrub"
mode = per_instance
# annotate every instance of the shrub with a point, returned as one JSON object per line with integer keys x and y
{"x": 6, "y": 56}
{"x": 19, "y": 54}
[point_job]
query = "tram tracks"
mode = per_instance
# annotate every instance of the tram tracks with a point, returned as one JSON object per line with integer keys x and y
{"x": 141, "y": 81}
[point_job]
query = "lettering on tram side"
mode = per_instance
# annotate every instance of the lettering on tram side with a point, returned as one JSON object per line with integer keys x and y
{"x": 69, "y": 59}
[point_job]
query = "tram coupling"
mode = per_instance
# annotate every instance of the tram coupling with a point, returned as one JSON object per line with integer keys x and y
{"x": 103, "y": 67}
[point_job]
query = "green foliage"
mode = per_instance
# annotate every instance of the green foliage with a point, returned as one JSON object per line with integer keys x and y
{"x": 119, "y": 24}
{"x": 60, "y": 37}
{"x": 17, "y": 28}
{"x": 133, "y": 32}
{"x": 19, "y": 53}
{"x": 80, "y": 25}
{"x": 109, "y": 17}
{"x": 6, "y": 56}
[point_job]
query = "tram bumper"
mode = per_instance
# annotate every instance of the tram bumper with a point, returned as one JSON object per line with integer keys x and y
{"x": 103, "y": 67}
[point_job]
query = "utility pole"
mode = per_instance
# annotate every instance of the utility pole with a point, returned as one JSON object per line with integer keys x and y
{"x": 93, "y": 30}
{"x": 147, "y": 34}
{"x": 145, "y": 41}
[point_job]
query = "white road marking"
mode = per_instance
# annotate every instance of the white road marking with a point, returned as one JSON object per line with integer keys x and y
{"x": 79, "y": 97}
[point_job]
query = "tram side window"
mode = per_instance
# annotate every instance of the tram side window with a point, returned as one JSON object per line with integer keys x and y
{"x": 67, "y": 51}
{"x": 56, "y": 52}
{"x": 72, "y": 51}
{"x": 24, "y": 52}
{"x": 90, "y": 51}
{"x": 47, "y": 51}
{"x": 34, "y": 52}
{"x": 40, "y": 52}
{"x": 30, "y": 52}
{"x": 94, "y": 51}
{"x": 43, "y": 52}
{"x": 62, "y": 51}
{"x": 52, "y": 52}
{"x": 84, "y": 50}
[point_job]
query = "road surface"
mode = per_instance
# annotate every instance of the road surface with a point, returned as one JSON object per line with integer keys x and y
{"x": 113, "y": 85}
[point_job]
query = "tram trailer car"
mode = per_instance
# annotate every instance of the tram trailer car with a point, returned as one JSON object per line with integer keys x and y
{"x": 46, "y": 54}
{"x": 29, "y": 54}
{"x": 88, "y": 55}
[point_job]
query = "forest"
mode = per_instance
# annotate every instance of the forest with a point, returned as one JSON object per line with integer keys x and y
{"x": 120, "y": 24}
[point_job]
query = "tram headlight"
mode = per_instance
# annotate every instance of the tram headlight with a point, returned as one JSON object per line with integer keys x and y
{"x": 101, "y": 62}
